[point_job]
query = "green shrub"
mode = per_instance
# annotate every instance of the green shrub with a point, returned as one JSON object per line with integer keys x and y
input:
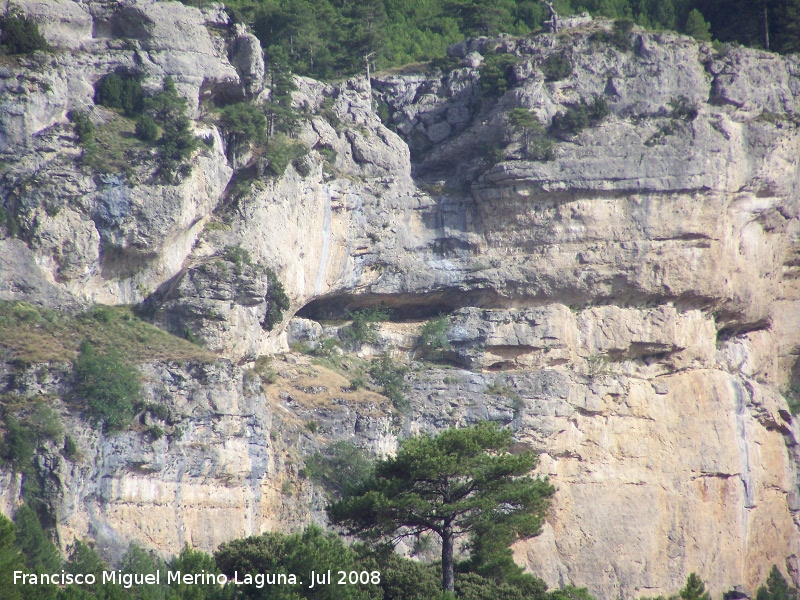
{"x": 240, "y": 258}
{"x": 302, "y": 163}
{"x": 71, "y": 450}
{"x": 21, "y": 36}
{"x": 535, "y": 144}
{"x": 362, "y": 329}
{"x": 580, "y": 116}
{"x": 391, "y": 377}
{"x": 341, "y": 467}
{"x": 497, "y": 74}
{"x": 108, "y": 385}
{"x": 683, "y": 108}
{"x": 122, "y": 91}
{"x": 697, "y": 26}
{"x": 25, "y": 429}
{"x": 40, "y": 553}
{"x": 277, "y": 301}
{"x": 263, "y": 368}
{"x": 311, "y": 426}
{"x": 159, "y": 411}
{"x": 82, "y": 126}
{"x": 433, "y": 339}
{"x": 493, "y": 153}
{"x": 281, "y": 151}
{"x": 243, "y": 123}
{"x": 19, "y": 444}
{"x": 621, "y": 34}
{"x": 557, "y": 67}
{"x": 146, "y": 128}
{"x": 357, "y": 382}
{"x": 792, "y": 396}
{"x": 176, "y": 146}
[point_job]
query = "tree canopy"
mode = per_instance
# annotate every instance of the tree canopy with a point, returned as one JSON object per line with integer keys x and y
{"x": 451, "y": 485}
{"x": 330, "y": 38}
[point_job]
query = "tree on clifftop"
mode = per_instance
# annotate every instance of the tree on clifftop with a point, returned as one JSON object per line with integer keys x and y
{"x": 453, "y": 484}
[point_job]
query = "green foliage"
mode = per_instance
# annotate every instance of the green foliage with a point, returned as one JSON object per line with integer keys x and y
{"x": 177, "y": 142}
{"x": 621, "y": 34}
{"x": 120, "y": 90}
{"x": 146, "y": 128}
{"x": 19, "y": 444}
{"x": 82, "y": 126}
{"x": 557, "y": 67}
{"x": 263, "y": 368}
{"x": 31, "y": 334}
{"x": 41, "y": 556}
{"x": 453, "y": 484}
{"x": 777, "y": 588}
{"x": 362, "y": 326}
{"x": 281, "y": 151}
{"x": 11, "y": 558}
{"x": 433, "y": 340}
{"x": 240, "y": 257}
{"x": 683, "y": 108}
{"x": 792, "y": 396}
{"x": 109, "y": 386}
{"x": 493, "y": 153}
{"x": 340, "y": 468}
{"x": 694, "y": 589}
{"x": 300, "y": 553}
{"x": 536, "y": 145}
{"x": 497, "y": 74}
{"x": 580, "y": 116}
{"x": 697, "y": 27}
{"x": 21, "y": 35}
{"x": 196, "y": 561}
{"x": 570, "y": 593}
{"x": 27, "y": 428}
{"x": 244, "y": 124}
{"x": 71, "y": 450}
{"x": 277, "y": 301}
{"x": 176, "y": 146}
{"x": 391, "y": 377}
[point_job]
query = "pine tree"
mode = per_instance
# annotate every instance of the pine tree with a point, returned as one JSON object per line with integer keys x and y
{"x": 453, "y": 484}
{"x": 694, "y": 589}
{"x": 41, "y": 556}
{"x": 697, "y": 26}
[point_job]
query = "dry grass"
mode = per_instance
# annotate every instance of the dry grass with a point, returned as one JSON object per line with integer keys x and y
{"x": 30, "y": 334}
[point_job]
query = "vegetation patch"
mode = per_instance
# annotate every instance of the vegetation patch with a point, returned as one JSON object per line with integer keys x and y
{"x": 277, "y": 301}
{"x": 557, "y": 67}
{"x": 497, "y": 74}
{"x": 30, "y": 334}
{"x": 433, "y": 340}
{"x": 20, "y": 35}
{"x": 108, "y": 386}
{"x": 362, "y": 327}
{"x": 390, "y": 375}
{"x": 339, "y": 468}
{"x": 576, "y": 118}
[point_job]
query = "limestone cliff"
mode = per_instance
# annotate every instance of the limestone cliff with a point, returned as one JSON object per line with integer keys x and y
{"x": 631, "y": 307}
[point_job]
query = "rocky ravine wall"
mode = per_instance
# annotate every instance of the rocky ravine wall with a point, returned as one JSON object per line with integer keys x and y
{"x": 636, "y": 298}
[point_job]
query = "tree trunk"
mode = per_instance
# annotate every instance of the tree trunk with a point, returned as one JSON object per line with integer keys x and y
{"x": 766, "y": 28}
{"x": 448, "y": 583}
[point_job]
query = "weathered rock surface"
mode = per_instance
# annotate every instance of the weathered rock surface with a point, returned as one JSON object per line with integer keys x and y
{"x": 630, "y": 308}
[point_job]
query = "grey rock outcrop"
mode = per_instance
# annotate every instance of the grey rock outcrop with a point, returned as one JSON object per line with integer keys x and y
{"x": 628, "y": 307}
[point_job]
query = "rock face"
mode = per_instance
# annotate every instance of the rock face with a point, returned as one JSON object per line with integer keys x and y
{"x": 629, "y": 307}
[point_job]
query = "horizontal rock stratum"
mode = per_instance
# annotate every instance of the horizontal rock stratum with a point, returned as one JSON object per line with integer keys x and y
{"x": 630, "y": 307}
